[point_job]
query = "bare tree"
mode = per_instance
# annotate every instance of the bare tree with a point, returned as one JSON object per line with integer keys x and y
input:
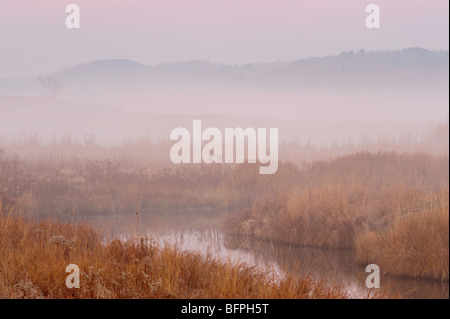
{"x": 49, "y": 86}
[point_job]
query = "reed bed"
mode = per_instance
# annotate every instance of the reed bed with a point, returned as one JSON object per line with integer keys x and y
{"x": 392, "y": 208}
{"x": 414, "y": 245}
{"x": 34, "y": 256}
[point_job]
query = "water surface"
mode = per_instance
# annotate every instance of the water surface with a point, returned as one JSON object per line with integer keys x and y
{"x": 202, "y": 233}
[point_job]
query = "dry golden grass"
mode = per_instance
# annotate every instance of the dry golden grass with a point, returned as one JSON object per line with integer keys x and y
{"x": 34, "y": 256}
{"x": 352, "y": 201}
{"x": 327, "y": 203}
{"x": 415, "y": 245}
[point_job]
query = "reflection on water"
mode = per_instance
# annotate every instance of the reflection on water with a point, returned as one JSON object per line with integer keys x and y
{"x": 338, "y": 267}
{"x": 212, "y": 242}
{"x": 200, "y": 233}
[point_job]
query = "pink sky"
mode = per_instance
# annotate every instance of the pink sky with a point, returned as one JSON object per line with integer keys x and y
{"x": 34, "y": 40}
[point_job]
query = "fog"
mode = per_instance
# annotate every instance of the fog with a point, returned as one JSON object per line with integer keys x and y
{"x": 232, "y": 32}
{"x": 320, "y": 100}
{"x": 286, "y": 134}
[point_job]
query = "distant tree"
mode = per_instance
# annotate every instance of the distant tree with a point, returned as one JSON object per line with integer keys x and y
{"x": 49, "y": 86}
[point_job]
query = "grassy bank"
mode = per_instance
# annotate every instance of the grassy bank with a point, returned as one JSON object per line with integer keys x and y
{"x": 415, "y": 245}
{"x": 389, "y": 206}
{"x": 365, "y": 201}
{"x": 34, "y": 256}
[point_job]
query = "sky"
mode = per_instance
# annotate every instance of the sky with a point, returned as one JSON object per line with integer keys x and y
{"x": 34, "y": 39}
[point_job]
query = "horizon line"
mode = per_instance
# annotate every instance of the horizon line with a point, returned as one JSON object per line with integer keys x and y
{"x": 222, "y": 63}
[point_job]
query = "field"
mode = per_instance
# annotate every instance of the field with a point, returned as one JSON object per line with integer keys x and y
{"x": 34, "y": 256}
{"x": 391, "y": 208}
{"x": 387, "y": 201}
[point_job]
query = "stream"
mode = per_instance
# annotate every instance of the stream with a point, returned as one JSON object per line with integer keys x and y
{"x": 202, "y": 233}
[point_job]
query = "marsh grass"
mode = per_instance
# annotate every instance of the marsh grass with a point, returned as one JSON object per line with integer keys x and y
{"x": 366, "y": 201}
{"x": 414, "y": 245}
{"x": 34, "y": 256}
{"x": 392, "y": 208}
